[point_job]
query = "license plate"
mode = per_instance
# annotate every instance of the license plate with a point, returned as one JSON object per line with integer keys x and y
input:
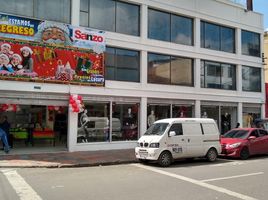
{"x": 143, "y": 154}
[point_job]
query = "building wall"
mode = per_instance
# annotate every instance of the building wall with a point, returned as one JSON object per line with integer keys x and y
{"x": 216, "y": 11}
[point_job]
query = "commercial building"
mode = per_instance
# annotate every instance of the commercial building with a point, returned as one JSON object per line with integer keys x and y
{"x": 185, "y": 58}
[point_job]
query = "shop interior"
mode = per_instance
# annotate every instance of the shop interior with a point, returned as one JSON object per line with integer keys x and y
{"x": 36, "y": 127}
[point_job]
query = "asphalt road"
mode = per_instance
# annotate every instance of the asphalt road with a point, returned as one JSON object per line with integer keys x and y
{"x": 198, "y": 179}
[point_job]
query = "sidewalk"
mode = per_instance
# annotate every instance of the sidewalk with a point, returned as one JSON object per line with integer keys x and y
{"x": 68, "y": 159}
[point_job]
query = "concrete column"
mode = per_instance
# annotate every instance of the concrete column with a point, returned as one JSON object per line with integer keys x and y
{"x": 197, "y": 33}
{"x": 144, "y": 21}
{"x": 197, "y": 108}
{"x": 239, "y": 78}
{"x": 238, "y": 46}
{"x": 143, "y": 68}
{"x": 240, "y": 114}
{"x": 72, "y": 130}
{"x": 263, "y": 110}
{"x": 197, "y": 73}
{"x": 143, "y": 115}
{"x": 75, "y": 13}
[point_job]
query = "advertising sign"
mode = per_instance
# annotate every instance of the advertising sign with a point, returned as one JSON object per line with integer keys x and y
{"x": 34, "y": 62}
{"x": 50, "y": 51}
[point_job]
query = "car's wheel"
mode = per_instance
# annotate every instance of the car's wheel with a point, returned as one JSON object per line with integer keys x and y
{"x": 244, "y": 153}
{"x": 165, "y": 159}
{"x": 212, "y": 155}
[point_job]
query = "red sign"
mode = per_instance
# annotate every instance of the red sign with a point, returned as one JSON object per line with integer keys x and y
{"x": 32, "y": 61}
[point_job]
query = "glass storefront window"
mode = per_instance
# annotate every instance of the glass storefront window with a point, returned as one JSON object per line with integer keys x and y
{"x": 250, "y": 43}
{"x": 125, "y": 119}
{"x": 249, "y": 116}
{"x": 211, "y": 112}
{"x": 182, "y": 111}
{"x": 93, "y": 123}
{"x": 251, "y": 79}
{"x": 48, "y": 10}
{"x": 36, "y": 125}
{"x": 157, "y": 112}
{"x": 228, "y": 118}
{"x": 115, "y": 16}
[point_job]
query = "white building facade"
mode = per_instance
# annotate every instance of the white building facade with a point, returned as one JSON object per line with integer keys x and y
{"x": 184, "y": 58}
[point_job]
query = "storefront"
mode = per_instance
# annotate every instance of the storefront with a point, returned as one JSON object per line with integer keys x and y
{"x": 160, "y": 109}
{"x": 107, "y": 119}
{"x": 250, "y": 113}
{"x": 225, "y": 114}
{"x": 36, "y": 120}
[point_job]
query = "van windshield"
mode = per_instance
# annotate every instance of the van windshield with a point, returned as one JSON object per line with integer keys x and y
{"x": 156, "y": 129}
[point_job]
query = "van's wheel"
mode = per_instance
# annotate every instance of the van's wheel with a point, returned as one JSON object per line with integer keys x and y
{"x": 165, "y": 159}
{"x": 212, "y": 155}
{"x": 244, "y": 153}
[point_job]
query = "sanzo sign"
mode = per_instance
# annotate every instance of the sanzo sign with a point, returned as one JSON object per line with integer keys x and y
{"x": 84, "y": 35}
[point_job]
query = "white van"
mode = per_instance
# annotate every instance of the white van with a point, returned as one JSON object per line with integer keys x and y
{"x": 173, "y": 138}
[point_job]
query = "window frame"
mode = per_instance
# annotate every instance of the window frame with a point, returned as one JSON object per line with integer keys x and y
{"x": 115, "y": 67}
{"x": 116, "y": 2}
{"x": 220, "y": 37}
{"x": 253, "y": 34}
{"x": 203, "y": 75}
{"x": 170, "y": 70}
{"x": 170, "y": 26}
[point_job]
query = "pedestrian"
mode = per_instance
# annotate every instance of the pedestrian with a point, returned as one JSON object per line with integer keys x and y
{"x": 3, "y": 137}
{"x": 6, "y": 126}
{"x": 237, "y": 125}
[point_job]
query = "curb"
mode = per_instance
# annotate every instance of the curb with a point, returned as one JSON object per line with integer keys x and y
{"x": 79, "y": 165}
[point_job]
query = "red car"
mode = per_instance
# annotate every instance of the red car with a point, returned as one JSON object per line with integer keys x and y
{"x": 244, "y": 142}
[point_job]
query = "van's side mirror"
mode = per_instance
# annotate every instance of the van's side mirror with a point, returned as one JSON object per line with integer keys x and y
{"x": 171, "y": 133}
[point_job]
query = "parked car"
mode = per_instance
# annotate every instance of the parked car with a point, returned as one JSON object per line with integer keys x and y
{"x": 244, "y": 142}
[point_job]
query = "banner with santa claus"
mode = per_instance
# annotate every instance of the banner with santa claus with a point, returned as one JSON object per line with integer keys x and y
{"x": 48, "y": 51}
{"x": 48, "y": 32}
{"x": 36, "y": 62}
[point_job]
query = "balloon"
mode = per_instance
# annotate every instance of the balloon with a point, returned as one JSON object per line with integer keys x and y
{"x": 72, "y": 101}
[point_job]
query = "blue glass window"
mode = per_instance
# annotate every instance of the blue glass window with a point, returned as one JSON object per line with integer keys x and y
{"x": 122, "y": 65}
{"x": 218, "y": 75}
{"x": 250, "y": 43}
{"x": 217, "y": 37}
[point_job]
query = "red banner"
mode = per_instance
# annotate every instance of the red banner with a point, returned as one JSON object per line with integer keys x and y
{"x": 37, "y": 62}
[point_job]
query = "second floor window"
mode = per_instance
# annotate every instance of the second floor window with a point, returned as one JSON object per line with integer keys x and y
{"x": 47, "y": 10}
{"x": 218, "y": 75}
{"x": 251, "y": 79}
{"x": 110, "y": 15}
{"x": 122, "y": 65}
{"x": 217, "y": 37}
{"x": 165, "y": 69}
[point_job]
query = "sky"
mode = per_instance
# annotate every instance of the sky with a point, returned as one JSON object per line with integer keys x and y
{"x": 261, "y": 6}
